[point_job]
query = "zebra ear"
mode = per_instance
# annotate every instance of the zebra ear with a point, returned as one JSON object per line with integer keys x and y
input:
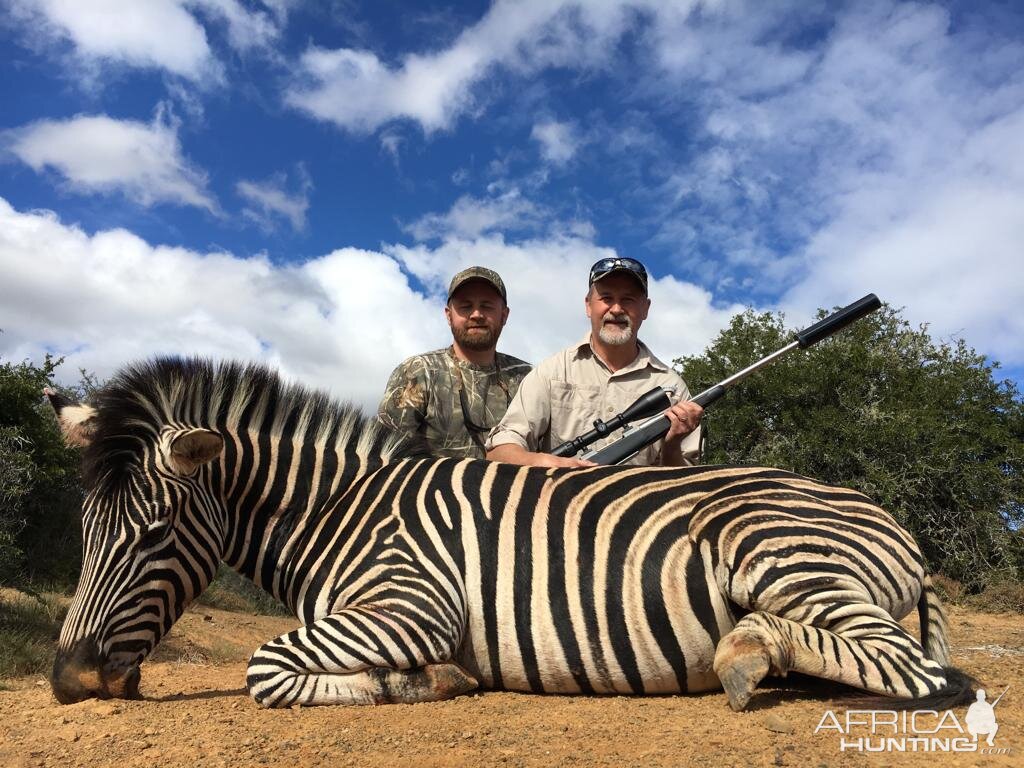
{"x": 191, "y": 448}
{"x": 77, "y": 422}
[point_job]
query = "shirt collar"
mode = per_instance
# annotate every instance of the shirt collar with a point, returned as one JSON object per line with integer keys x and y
{"x": 452, "y": 359}
{"x": 643, "y": 359}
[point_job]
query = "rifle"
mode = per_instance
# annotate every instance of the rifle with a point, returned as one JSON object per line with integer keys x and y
{"x": 653, "y": 403}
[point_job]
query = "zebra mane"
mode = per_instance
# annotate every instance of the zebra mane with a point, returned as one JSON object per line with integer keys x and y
{"x": 143, "y": 398}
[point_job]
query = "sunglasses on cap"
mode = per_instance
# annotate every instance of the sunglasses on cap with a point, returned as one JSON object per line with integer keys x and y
{"x": 605, "y": 267}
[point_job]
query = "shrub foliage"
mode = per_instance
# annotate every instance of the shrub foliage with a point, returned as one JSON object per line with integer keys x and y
{"x": 40, "y": 491}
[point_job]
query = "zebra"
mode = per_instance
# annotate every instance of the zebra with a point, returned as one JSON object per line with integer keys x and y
{"x": 418, "y": 578}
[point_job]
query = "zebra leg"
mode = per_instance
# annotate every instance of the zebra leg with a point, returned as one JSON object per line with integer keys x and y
{"x": 361, "y": 655}
{"x": 856, "y": 644}
{"x": 826, "y": 574}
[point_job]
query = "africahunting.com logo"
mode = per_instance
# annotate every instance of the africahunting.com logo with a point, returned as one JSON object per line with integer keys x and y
{"x": 922, "y": 730}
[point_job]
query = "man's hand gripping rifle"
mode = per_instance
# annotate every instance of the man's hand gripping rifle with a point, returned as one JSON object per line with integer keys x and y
{"x": 651, "y": 405}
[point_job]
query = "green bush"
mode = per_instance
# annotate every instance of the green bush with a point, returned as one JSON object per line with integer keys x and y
{"x": 40, "y": 491}
{"x": 16, "y": 479}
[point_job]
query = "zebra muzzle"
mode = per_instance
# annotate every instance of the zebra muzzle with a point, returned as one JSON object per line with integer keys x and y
{"x": 125, "y": 684}
{"x": 80, "y": 674}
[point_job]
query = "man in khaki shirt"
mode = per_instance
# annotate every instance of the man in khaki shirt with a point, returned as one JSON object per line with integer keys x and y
{"x": 595, "y": 379}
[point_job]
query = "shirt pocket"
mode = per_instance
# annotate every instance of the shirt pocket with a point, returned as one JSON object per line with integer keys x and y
{"x": 573, "y": 410}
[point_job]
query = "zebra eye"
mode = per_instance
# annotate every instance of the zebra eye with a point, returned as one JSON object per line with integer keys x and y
{"x": 154, "y": 533}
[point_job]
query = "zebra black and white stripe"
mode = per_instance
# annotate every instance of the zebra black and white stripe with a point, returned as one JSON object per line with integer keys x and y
{"x": 418, "y": 578}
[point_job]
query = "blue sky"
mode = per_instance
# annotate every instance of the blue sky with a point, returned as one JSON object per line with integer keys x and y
{"x": 296, "y": 181}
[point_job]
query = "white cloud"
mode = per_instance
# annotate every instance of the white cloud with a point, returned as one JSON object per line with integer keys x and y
{"x": 875, "y": 148}
{"x": 945, "y": 245}
{"x": 357, "y": 91}
{"x": 158, "y": 34}
{"x": 558, "y": 141}
{"x": 340, "y": 321}
{"x": 884, "y": 156}
{"x": 884, "y": 159}
{"x": 97, "y": 153}
{"x": 165, "y": 35}
{"x": 391, "y": 142}
{"x": 506, "y": 212}
{"x": 472, "y": 217}
{"x": 270, "y": 199}
{"x": 247, "y": 30}
{"x": 109, "y": 298}
{"x": 850, "y": 149}
{"x": 280, "y": 8}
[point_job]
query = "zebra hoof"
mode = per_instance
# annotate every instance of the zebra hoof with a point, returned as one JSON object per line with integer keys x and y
{"x": 450, "y": 679}
{"x": 431, "y": 682}
{"x": 740, "y": 663}
{"x": 740, "y": 680}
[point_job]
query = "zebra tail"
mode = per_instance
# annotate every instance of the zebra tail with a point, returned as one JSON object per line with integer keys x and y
{"x": 960, "y": 688}
{"x": 934, "y": 627}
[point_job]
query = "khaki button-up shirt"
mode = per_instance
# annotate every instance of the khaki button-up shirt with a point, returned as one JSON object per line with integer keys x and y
{"x": 560, "y": 399}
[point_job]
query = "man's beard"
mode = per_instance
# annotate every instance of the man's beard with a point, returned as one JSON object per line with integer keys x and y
{"x": 614, "y": 335}
{"x": 477, "y": 338}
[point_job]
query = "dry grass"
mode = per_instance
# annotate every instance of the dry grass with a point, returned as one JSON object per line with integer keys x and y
{"x": 951, "y": 591}
{"x": 29, "y": 626}
{"x": 231, "y": 592}
{"x": 30, "y": 623}
{"x": 1002, "y": 595}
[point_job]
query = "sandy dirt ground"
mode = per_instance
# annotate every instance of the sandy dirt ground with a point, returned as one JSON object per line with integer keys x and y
{"x": 195, "y": 712}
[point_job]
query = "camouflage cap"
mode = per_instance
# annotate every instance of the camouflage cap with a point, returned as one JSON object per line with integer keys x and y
{"x": 489, "y": 276}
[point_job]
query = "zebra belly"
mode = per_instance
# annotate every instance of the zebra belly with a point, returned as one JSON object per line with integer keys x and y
{"x": 618, "y": 629}
{"x": 656, "y": 676}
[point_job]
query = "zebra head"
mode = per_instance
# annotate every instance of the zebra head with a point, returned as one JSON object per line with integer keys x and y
{"x": 151, "y": 532}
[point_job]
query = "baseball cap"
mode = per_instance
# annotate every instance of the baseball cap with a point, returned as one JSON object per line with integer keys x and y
{"x": 605, "y": 267}
{"x": 489, "y": 276}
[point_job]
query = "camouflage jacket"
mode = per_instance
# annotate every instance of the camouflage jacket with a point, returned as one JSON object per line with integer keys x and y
{"x": 423, "y": 396}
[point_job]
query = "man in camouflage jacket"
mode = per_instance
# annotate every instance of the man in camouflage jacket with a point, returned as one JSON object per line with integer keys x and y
{"x": 454, "y": 396}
